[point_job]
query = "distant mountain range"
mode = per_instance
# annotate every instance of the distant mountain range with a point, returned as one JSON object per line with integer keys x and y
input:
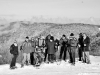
{"x": 62, "y": 20}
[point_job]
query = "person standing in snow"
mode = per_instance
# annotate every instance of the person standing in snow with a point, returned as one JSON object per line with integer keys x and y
{"x": 63, "y": 44}
{"x": 26, "y": 47}
{"x": 14, "y": 52}
{"x": 56, "y": 48}
{"x": 32, "y": 50}
{"x": 47, "y": 39}
{"x": 51, "y": 50}
{"x": 86, "y": 41}
{"x": 73, "y": 45}
{"x": 80, "y": 46}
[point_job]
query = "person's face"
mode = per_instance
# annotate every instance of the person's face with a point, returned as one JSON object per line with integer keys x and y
{"x": 32, "y": 39}
{"x": 26, "y": 39}
{"x": 63, "y": 37}
{"x": 48, "y": 37}
{"x": 15, "y": 42}
{"x": 36, "y": 39}
{"x": 51, "y": 40}
{"x": 84, "y": 36}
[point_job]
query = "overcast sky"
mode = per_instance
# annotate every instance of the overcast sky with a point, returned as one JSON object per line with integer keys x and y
{"x": 53, "y": 8}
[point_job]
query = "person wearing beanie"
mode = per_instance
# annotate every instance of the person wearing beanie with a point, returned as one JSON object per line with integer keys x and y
{"x": 26, "y": 48}
{"x": 51, "y": 49}
{"x": 72, "y": 48}
{"x": 14, "y": 52}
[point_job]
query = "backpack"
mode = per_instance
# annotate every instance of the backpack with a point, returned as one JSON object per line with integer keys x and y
{"x": 11, "y": 49}
{"x": 73, "y": 41}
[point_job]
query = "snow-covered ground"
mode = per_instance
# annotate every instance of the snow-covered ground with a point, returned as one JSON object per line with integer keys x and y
{"x": 53, "y": 69}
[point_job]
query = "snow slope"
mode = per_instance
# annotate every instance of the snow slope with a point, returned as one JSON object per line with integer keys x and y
{"x": 54, "y": 69}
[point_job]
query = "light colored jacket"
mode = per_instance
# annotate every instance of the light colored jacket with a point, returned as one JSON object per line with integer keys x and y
{"x": 26, "y": 47}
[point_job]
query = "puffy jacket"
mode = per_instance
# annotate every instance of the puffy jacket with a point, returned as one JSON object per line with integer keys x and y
{"x": 72, "y": 42}
{"x": 87, "y": 42}
{"x": 14, "y": 49}
{"x": 63, "y": 42}
{"x": 27, "y": 47}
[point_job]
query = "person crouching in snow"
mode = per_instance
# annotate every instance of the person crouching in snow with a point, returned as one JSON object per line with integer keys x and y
{"x": 14, "y": 52}
{"x": 51, "y": 49}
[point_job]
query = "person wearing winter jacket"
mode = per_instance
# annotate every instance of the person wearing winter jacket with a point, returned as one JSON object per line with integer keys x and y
{"x": 26, "y": 48}
{"x": 86, "y": 41}
{"x": 14, "y": 52}
{"x": 80, "y": 46}
{"x": 63, "y": 44}
{"x": 32, "y": 50}
{"x": 72, "y": 48}
{"x": 51, "y": 50}
{"x": 47, "y": 40}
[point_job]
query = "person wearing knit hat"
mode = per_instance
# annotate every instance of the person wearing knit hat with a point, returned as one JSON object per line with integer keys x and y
{"x": 72, "y": 48}
{"x": 51, "y": 49}
{"x": 26, "y": 47}
{"x": 72, "y": 34}
{"x": 80, "y": 46}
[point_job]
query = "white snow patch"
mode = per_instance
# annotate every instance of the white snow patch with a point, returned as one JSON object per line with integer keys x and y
{"x": 64, "y": 68}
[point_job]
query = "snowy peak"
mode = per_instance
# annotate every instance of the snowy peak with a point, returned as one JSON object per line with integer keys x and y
{"x": 92, "y": 20}
{"x": 63, "y": 20}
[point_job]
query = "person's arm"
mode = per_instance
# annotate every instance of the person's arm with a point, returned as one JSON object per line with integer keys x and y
{"x": 11, "y": 49}
{"x": 88, "y": 41}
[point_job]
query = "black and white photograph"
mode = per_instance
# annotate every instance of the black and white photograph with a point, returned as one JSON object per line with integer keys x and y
{"x": 49, "y": 37}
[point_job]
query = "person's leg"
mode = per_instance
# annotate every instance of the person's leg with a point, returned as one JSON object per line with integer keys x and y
{"x": 45, "y": 54}
{"x": 74, "y": 49}
{"x": 12, "y": 62}
{"x": 53, "y": 57}
{"x": 15, "y": 57}
{"x": 83, "y": 56}
{"x": 69, "y": 52}
{"x": 65, "y": 50}
{"x": 28, "y": 58}
{"x": 49, "y": 57}
{"x": 31, "y": 58}
{"x": 61, "y": 52}
{"x": 79, "y": 53}
{"x": 87, "y": 57}
{"x": 24, "y": 59}
{"x": 71, "y": 55}
{"x": 57, "y": 54}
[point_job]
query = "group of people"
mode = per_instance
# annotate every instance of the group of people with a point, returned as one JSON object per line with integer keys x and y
{"x": 36, "y": 51}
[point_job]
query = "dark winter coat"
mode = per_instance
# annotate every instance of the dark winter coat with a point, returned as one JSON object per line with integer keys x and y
{"x": 63, "y": 42}
{"x": 14, "y": 49}
{"x": 87, "y": 42}
{"x": 80, "y": 41}
{"x": 51, "y": 47}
